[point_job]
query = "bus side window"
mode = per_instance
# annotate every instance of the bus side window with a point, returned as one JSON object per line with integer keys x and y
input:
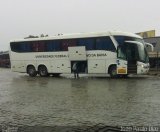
{"x": 105, "y": 43}
{"x": 71, "y": 43}
{"x": 53, "y": 45}
{"x": 57, "y": 46}
{"x": 15, "y": 46}
{"x": 89, "y": 43}
{"x": 28, "y": 46}
{"x": 34, "y": 46}
{"x": 68, "y": 43}
{"x": 25, "y": 47}
{"x": 64, "y": 45}
{"x": 41, "y": 46}
{"x": 38, "y": 46}
{"x": 50, "y": 46}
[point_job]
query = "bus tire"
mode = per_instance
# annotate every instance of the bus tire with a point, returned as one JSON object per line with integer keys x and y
{"x": 31, "y": 71}
{"x": 43, "y": 72}
{"x": 113, "y": 71}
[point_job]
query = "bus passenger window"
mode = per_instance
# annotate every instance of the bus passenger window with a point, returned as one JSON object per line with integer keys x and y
{"x": 64, "y": 45}
{"x": 17, "y": 47}
{"x": 27, "y": 47}
{"x": 38, "y": 46}
{"x": 68, "y": 43}
{"x": 50, "y": 46}
{"x": 89, "y": 43}
{"x": 53, "y": 45}
{"x": 72, "y": 43}
{"x": 41, "y": 46}
{"x": 57, "y": 45}
{"x": 34, "y": 46}
{"x": 105, "y": 43}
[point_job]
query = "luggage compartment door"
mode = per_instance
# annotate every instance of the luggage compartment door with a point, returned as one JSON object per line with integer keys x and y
{"x": 77, "y": 53}
{"x": 96, "y": 66}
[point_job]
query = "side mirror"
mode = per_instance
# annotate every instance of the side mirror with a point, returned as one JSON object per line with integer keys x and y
{"x": 150, "y": 47}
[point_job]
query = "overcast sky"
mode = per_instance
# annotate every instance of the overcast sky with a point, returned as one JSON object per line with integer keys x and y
{"x": 20, "y": 18}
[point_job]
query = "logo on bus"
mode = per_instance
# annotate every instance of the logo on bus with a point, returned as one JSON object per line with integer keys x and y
{"x": 65, "y": 56}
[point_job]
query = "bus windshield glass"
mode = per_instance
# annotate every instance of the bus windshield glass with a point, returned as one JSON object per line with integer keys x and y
{"x": 139, "y": 49}
{"x": 143, "y": 56}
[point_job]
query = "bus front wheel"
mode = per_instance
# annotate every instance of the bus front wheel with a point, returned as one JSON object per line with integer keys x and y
{"x": 113, "y": 71}
{"x": 31, "y": 71}
{"x": 43, "y": 71}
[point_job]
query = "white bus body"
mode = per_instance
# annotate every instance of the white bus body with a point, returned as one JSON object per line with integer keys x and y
{"x": 95, "y": 52}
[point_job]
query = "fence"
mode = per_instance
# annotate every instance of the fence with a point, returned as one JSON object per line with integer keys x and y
{"x": 154, "y": 59}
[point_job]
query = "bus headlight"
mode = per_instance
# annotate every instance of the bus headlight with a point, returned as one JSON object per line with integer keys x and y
{"x": 141, "y": 65}
{"x": 144, "y": 66}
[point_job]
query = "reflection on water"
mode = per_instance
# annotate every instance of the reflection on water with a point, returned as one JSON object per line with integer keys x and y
{"x": 65, "y": 101}
{"x": 79, "y": 93}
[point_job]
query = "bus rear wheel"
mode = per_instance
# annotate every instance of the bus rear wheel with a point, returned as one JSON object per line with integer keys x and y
{"x": 113, "y": 72}
{"x": 43, "y": 71}
{"x": 31, "y": 71}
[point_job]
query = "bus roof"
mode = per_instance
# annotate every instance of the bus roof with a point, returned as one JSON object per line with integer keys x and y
{"x": 79, "y": 35}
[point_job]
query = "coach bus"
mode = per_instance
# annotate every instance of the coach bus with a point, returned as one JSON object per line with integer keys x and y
{"x": 115, "y": 53}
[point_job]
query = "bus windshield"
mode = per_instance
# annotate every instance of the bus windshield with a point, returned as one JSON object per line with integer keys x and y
{"x": 133, "y": 50}
{"x": 143, "y": 56}
{"x": 139, "y": 51}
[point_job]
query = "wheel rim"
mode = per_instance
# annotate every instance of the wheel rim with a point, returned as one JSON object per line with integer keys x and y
{"x": 43, "y": 71}
{"x": 113, "y": 72}
{"x": 31, "y": 71}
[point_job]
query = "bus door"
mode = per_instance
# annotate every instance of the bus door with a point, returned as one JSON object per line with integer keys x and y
{"x": 121, "y": 60}
{"x": 78, "y": 55}
{"x": 131, "y": 51}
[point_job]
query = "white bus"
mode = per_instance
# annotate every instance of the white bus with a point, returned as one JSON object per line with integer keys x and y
{"x": 115, "y": 53}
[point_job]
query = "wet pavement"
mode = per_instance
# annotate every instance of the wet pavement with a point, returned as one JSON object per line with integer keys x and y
{"x": 66, "y": 101}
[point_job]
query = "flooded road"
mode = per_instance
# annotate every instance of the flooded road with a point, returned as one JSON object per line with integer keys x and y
{"x": 88, "y": 100}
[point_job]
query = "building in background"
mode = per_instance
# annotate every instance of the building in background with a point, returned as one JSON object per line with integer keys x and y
{"x": 155, "y": 55}
{"x": 150, "y": 37}
{"x": 155, "y": 41}
{"x": 147, "y": 34}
